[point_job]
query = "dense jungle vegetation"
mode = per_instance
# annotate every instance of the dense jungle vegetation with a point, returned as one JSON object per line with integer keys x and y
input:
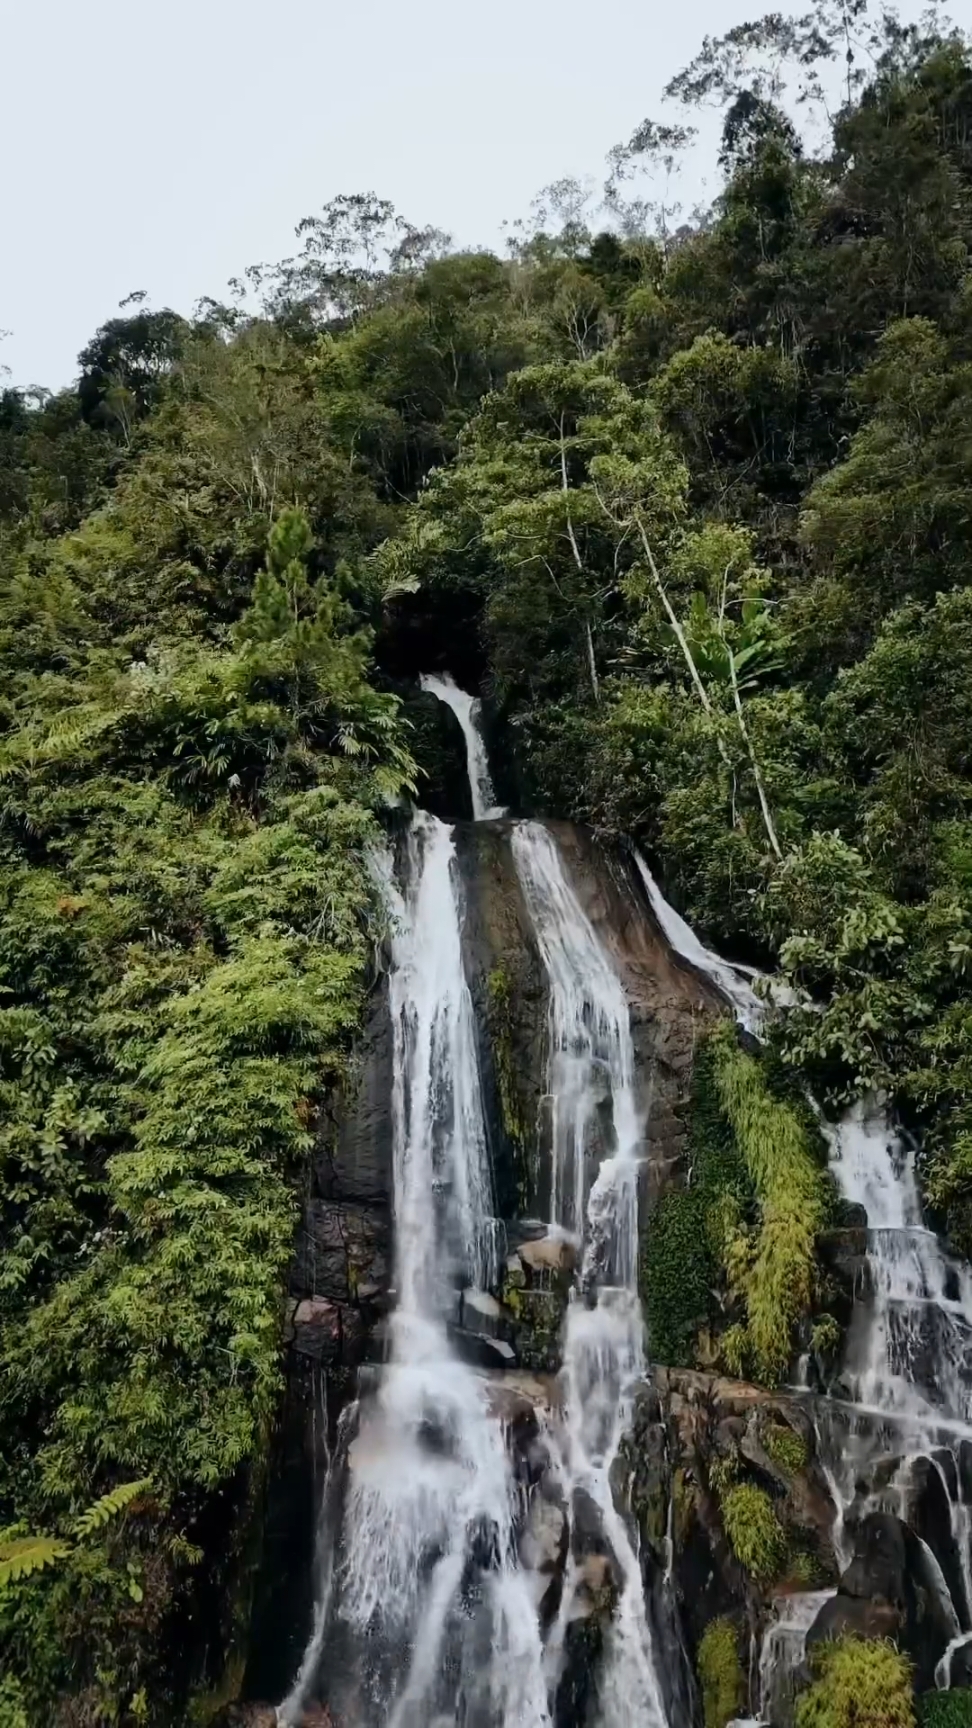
{"x": 692, "y": 500}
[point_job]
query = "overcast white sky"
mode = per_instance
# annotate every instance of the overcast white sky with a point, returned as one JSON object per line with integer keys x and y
{"x": 166, "y": 144}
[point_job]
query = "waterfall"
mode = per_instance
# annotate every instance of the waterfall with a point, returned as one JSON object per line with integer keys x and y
{"x": 596, "y": 1145}
{"x": 466, "y": 710}
{"x": 425, "y": 1608}
{"x": 905, "y": 1392}
{"x": 730, "y": 981}
{"x": 906, "y": 1387}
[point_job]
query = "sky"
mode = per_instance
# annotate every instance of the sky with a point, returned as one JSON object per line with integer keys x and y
{"x": 167, "y": 144}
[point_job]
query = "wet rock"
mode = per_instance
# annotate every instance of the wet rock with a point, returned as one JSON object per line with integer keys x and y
{"x": 549, "y": 1253}
{"x": 515, "y": 1396}
{"x": 481, "y": 1351}
{"x": 342, "y": 1252}
{"x": 480, "y": 1312}
{"x": 855, "y": 1615}
{"x": 353, "y": 1161}
{"x": 891, "y": 1589}
{"x": 317, "y": 1329}
{"x": 960, "y": 1671}
{"x": 538, "y": 1320}
{"x": 877, "y": 1569}
{"x": 543, "y": 1544}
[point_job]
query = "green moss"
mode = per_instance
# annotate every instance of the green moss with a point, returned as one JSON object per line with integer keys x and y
{"x": 755, "y": 1533}
{"x": 786, "y": 1447}
{"x": 773, "y": 1267}
{"x": 946, "y": 1709}
{"x": 826, "y": 1336}
{"x": 859, "y": 1683}
{"x": 805, "y": 1571}
{"x": 720, "y": 1674}
{"x": 499, "y": 998}
{"x": 680, "y": 1257}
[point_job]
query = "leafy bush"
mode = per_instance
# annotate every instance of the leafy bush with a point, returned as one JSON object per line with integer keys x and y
{"x": 755, "y": 1533}
{"x": 720, "y": 1674}
{"x": 184, "y": 910}
{"x": 860, "y": 1683}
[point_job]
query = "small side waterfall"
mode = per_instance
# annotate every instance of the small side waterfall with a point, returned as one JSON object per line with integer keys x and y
{"x": 904, "y": 1398}
{"x": 596, "y": 1134}
{"x": 906, "y": 1386}
{"x": 731, "y": 981}
{"x": 466, "y": 710}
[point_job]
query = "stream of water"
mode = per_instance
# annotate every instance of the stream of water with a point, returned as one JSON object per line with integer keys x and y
{"x": 596, "y": 1146}
{"x": 423, "y": 1612}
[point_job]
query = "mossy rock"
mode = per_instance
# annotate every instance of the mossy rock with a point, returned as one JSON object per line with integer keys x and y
{"x": 721, "y": 1675}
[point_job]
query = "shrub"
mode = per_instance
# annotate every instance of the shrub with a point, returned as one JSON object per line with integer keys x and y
{"x": 860, "y": 1683}
{"x": 720, "y": 1674}
{"x": 754, "y": 1531}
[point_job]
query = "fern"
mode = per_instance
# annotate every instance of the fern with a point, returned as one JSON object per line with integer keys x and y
{"x": 26, "y": 1554}
{"x": 110, "y": 1505}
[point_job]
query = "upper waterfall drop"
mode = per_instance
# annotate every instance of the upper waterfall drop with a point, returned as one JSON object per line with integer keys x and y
{"x": 466, "y": 710}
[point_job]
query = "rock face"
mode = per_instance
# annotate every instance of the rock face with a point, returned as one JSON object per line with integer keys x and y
{"x": 890, "y": 1590}
{"x": 670, "y": 1006}
{"x": 693, "y": 1438}
{"x": 338, "y": 1292}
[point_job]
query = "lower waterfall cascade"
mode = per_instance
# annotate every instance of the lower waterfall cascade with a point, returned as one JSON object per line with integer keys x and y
{"x": 428, "y": 1612}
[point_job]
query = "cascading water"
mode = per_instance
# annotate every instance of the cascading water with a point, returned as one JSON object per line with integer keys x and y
{"x": 466, "y": 710}
{"x": 425, "y": 1618}
{"x": 423, "y": 1611}
{"x": 906, "y": 1387}
{"x": 595, "y": 1201}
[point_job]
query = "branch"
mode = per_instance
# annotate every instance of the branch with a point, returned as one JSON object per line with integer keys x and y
{"x": 591, "y": 662}
{"x": 757, "y": 776}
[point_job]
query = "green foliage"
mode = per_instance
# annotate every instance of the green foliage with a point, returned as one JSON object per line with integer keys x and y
{"x": 860, "y": 1683}
{"x": 22, "y": 1555}
{"x": 749, "y": 1215}
{"x": 720, "y": 1674}
{"x": 785, "y": 1446}
{"x": 772, "y": 1267}
{"x": 680, "y": 1258}
{"x": 945, "y": 1709}
{"x": 184, "y": 901}
{"x": 755, "y": 1533}
{"x": 698, "y": 513}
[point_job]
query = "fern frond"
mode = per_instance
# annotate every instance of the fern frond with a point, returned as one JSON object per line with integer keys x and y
{"x": 26, "y": 1554}
{"x": 110, "y": 1505}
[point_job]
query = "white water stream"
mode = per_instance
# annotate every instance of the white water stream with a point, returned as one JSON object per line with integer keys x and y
{"x": 466, "y": 710}
{"x": 426, "y": 1605}
{"x": 596, "y": 1135}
